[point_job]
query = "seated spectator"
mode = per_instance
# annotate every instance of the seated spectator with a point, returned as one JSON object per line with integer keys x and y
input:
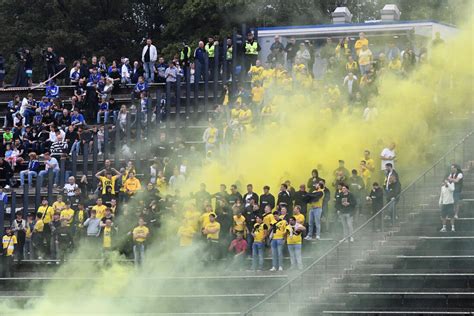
{"x": 70, "y": 187}
{"x": 6, "y": 173}
{"x": 52, "y": 90}
{"x": 238, "y": 247}
{"x": 50, "y": 163}
{"x": 125, "y": 71}
{"x": 75, "y": 73}
{"x": 77, "y": 119}
{"x": 31, "y": 171}
{"x": 132, "y": 185}
{"x": 103, "y": 111}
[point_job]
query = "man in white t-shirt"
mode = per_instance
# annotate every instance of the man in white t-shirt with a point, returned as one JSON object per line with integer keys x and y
{"x": 50, "y": 163}
{"x": 388, "y": 156}
{"x": 70, "y": 187}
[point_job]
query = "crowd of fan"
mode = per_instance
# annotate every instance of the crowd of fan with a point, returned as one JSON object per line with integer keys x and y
{"x": 245, "y": 224}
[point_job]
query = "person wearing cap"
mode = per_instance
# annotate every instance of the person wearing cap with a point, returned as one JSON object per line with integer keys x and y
{"x": 251, "y": 49}
{"x": 9, "y": 242}
{"x": 149, "y": 57}
{"x": 211, "y": 231}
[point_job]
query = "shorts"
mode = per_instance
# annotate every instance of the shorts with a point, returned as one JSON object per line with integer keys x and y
{"x": 456, "y": 196}
{"x": 29, "y": 73}
{"x": 447, "y": 210}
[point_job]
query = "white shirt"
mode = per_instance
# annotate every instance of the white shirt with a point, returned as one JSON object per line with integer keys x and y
{"x": 153, "y": 53}
{"x": 69, "y": 189}
{"x": 350, "y": 83}
{"x": 446, "y": 196}
{"x": 125, "y": 71}
{"x": 53, "y": 162}
{"x": 386, "y": 153}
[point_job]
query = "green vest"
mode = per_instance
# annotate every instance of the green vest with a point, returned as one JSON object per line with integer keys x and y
{"x": 251, "y": 49}
{"x": 210, "y": 50}
{"x": 228, "y": 55}
{"x": 187, "y": 56}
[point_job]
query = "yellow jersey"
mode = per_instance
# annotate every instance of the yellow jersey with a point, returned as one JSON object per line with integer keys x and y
{"x": 58, "y": 206}
{"x": 359, "y": 43}
{"x": 292, "y": 236}
{"x": 47, "y": 212}
{"x": 99, "y": 210}
{"x": 257, "y": 94}
{"x": 318, "y": 203}
{"x": 299, "y": 218}
{"x": 279, "y": 229}
{"x": 186, "y": 234}
{"x": 106, "y": 182}
{"x": 212, "y": 226}
{"x": 268, "y": 219}
{"x": 107, "y": 242}
{"x": 66, "y": 213}
{"x": 259, "y": 232}
{"x": 205, "y": 219}
{"x": 39, "y": 226}
{"x": 141, "y": 230}
{"x": 239, "y": 223}
{"x": 8, "y": 243}
{"x": 132, "y": 185}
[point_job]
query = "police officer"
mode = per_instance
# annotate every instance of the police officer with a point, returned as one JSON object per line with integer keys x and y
{"x": 251, "y": 50}
{"x": 211, "y": 54}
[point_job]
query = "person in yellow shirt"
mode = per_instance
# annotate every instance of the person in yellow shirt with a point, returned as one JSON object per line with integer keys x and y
{"x": 366, "y": 175}
{"x": 369, "y": 162}
{"x": 99, "y": 208}
{"x": 257, "y": 94}
{"x": 293, "y": 233}
{"x": 9, "y": 243}
{"x": 352, "y": 65}
{"x": 315, "y": 207}
{"x": 47, "y": 213}
{"x": 395, "y": 65}
{"x": 259, "y": 233}
{"x": 211, "y": 231}
{"x": 107, "y": 235}
{"x": 108, "y": 180}
{"x": 205, "y": 216}
{"x": 268, "y": 216}
{"x": 132, "y": 185}
{"x": 235, "y": 114}
{"x": 186, "y": 234}
{"x": 365, "y": 59}
{"x": 360, "y": 42}
{"x": 297, "y": 215}
{"x": 246, "y": 117}
{"x": 238, "y": 224}
{"x": 67, "y": 214}
{"x": 210, "y": 137}
{"x": 140, "y": 235}
{"x": 30, "y": 225}
{"x": 59, "y": 205}
{"x": 278, "y": 235}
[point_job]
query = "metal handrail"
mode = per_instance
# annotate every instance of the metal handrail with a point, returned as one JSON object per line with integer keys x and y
{"x": 342, "y": 241}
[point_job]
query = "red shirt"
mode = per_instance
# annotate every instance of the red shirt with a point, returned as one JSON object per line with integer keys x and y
{"x": 238, "y": 245}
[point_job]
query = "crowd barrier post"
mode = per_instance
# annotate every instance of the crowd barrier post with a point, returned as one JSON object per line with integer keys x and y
{"x": 25, "y": 196}
{"x": 216, "y": 73}
{"x": 13, "y": 207}
{"x": 206, "y": 85}
{"x": 178, "y": 102}
{"x": 168, "y": 105}
{"x": 50, "y": 185}
{"x": 74, "y": 163}
{"x": 233, "y": 71}
{"x": 85, "y": 158}
{"x": 62, "y": 171}
{"x": 95, "y": 158}
{"x": 117, "y": 146}
{"x": 37, "y": 194}
{"x": 128, "y": 130}
{"x": 225, "y": 69}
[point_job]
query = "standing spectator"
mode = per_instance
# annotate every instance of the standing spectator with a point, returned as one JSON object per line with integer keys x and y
{"x": 137, "y": 72}
{"x": 315, "y": 201}
{"x": 125, "y": 71}
{"x": 149, "y": 57}
{"x": 92, "y": 225}
{"x": 290, "y": 50}
{"x": 300, "y": 199}
{"x": 50, "y": 61}
{"x": 61, "y": 78}
{"x": 284, "y": 196}
{"x": 267, "y": 199}
{"x": 345, "y": 204}
{"x": 210, "y": 137}
{"x": 210, "y": 49}
{"x": 161, "y": 69}
{"x": 9, "y": 243}
{"x": 376, "y": 198}
{"x": 29, "y": 250}
{"x": 277, "y": 239}
{"x": 251, "y": 49}
{"x": 259, "y": 234}
{"x": 200, "y": 60}
{"x": 29, "y": 66}
{"x": 360, "y": 43}
{"x": 171, "y": 73}
{"x": 446, "y": 203}
{"x": 351, "y": 83}
{"x": 31, "y": 171}
{"x": 140, "y": 235}
{"x": 310, "y": 47}
{"x": 302, "y": 56}
{"x": 365, "y": 60}
{"x": 388, "y": 156}
{"x": 457, "y": 177}
{"x": 184, "y": 58}
{"x": 293, "y": 233}
{"x": 19, "y": 229}
{"x": 211, "y": 230}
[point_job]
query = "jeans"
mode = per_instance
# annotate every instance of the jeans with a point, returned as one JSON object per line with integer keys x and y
{"x": 138, "y": 254}
{"x": 346, "y": 219}
{"x": 30, "y": 174}
{"x": 28, "y": 114}
{"x": 28, "y": 250}
{"x": 364, "y": 69}
{"x": 257, "y": 254}
{"x": 315, "y": 219}
{"x": 44, "y": 173}
{"x": 106, "y": 117}
{"x": 76, "y": 146}
{"x": 295, "y": 256}
{"x": 277, "y": 253}
{"x": 149, "y": 68}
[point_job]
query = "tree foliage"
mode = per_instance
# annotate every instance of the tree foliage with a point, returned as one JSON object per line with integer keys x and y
{"x": 116, "y": 28}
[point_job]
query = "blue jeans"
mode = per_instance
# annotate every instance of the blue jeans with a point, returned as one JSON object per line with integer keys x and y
{"x": 315, "y": 219}
{"x": 30, "y": 174}
{"x": 277, "y": 253}
{"x": 76, "y": 146}
{"x": 44, "y": 173}
{"x": 139, "y": 254}
{"x": 257, "y": 254}
{"x": 149, "y": 68}
{"x": 295, "y": 256}
{"x": 106, "y": 117}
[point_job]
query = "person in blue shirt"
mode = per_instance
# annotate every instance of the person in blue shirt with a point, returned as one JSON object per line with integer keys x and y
{"x": 77, "y": 119}
{"x": 161, "y": 69}
{"x": 140, "y": 87}
{"x": 94, "y": 77}
{"x": 44, "y": 104}
{"x": 103, "y": 110}
{"x": 52, "y": 90}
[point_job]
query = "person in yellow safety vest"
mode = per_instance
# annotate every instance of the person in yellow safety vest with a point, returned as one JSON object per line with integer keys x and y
{"x": 210, "y": 137}
{"x": 184, "y": 58}
{"x": 211, "y": 54}
{"x": 251, "y": 50}
{"x": 315, "y": 206}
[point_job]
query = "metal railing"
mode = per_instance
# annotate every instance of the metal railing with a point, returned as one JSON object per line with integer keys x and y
{"x": 293, "y": 295}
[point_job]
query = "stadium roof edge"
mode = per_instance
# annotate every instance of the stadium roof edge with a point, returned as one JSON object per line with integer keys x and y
{"x": 269, "y": 31}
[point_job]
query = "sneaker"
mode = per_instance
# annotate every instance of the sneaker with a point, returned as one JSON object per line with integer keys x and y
{"x": 443, "y": 230}
{"x": 280, "y": 269}
{"x": 452, "y": 229}
{"x": 318, "y": 237}
{"x": 308, "y": 238}
{"x": 455, "y": 216}
{"x": 351, "y": 239}
{"x": 273, "y": 269}
{"x": 7, "y": 187}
